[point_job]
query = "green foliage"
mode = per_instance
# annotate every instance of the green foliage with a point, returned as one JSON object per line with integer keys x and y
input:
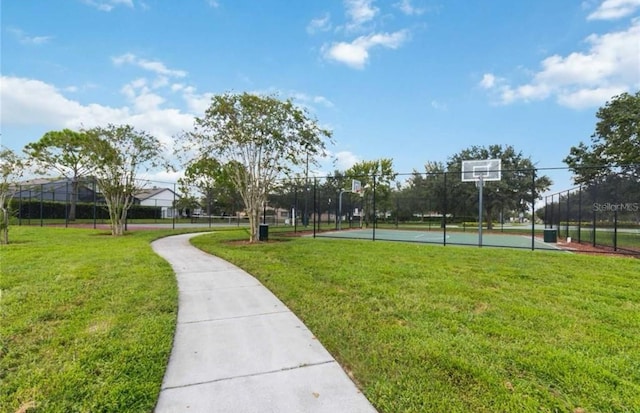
{"x": 12, "y": 167}
{"x": 64, "y": 151}
{"x": 518, "y": 187}
{"x": 260, "y": 138}
{"x": 373, "y": 175}
{"x": 118, "y": 154}
{"x": 364, "y": 171}
{"x": 430, "y": 328}
{"x": 212, "y": 180}
{"x": 615, "y": 144}
{"x": 425, "y": 193}
{"x": 36, "y": 209}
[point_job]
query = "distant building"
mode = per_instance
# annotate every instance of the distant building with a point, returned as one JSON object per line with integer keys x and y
{"x": 164, "y": 198}
{"x": 60, "y": 190}
{"x": 55, "y": 190}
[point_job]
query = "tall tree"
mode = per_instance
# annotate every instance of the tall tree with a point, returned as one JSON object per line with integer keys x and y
{"x": 261, "y": 139}
{"x": 12, "y": 167}
{"x": 119, "y": 154}
{"x": 65, "y": 152}
{"x": 426, "y": 191}
{"x": 377, "y": 174}
{"x": 615, "y": 144}
{"x": 212, "y": 180}
{"x": 518, "y": 186}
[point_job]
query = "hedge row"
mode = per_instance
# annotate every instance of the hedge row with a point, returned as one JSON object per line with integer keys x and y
{"x": 34, "y": 209}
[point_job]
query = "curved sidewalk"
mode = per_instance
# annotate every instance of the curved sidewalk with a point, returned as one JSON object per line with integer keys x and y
{"x": 237, "y": 348}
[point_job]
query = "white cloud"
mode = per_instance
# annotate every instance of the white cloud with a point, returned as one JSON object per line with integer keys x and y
{"x": 108, "y": 5}
{"x": 356, "y": 53}
{"x": 26, "y": 39}
{"x": 150, "y": 65}
{"x": 321, "y": 24}
{"x": 588, "y": 98}
{"x": 306, "y": 100}
{"x": 614, "y": 9}
{"x": 345, "y": 160}
{"x": 213, "y": 3}
{"x": 323, "y": 101}
{"x": 488, "y": 81}
{"x": 196, "y": 102}
{"x": 581, "y": 79}
{"x": 438, "y": 105}
{"x": 359, "y": 12}
{"x": 407, "y": 8}
{"x": 30, "y": 102}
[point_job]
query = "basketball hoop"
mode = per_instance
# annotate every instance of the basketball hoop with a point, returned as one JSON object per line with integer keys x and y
{"x": 480, "y": 171}
{"x": 487, "y": 169}
{"x": 356, "y": 186}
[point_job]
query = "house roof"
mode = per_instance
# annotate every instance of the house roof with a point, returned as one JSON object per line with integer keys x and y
{"x": 150, "y": 193}
{"x": 40, "y": 181}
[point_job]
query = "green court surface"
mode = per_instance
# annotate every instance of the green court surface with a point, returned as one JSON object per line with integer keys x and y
{"x": 438, "y": 237}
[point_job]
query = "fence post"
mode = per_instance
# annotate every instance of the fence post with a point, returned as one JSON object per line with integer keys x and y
{"x": 615, "y": 215}
{"x": 375, "y": 215}
{"x": 397, "y": 211}
{"x": 546, "y": 211}
{"x": 615, "y": 229}
{"x": 533, "y": 209}
{"x": 567, "y": 225}
{"x": 444, "y": 213}
{"x": 593, "y": 228}
{"x": 580, "y": 214}
{"x": 551, "y": 218}
{"x": 316, "y": 218}
{"x": 29, "y": 207}
{"x": 295, "y": 208}
{"x": 41, "y": 205}
{"x": 66, "y": 206}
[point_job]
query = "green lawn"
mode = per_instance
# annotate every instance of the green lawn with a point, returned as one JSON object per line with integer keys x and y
{"x": 455, "y": 329}
{"x": 88, "y": 321}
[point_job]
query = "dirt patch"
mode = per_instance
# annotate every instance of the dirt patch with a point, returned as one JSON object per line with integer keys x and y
{"x": 588, "y": 248}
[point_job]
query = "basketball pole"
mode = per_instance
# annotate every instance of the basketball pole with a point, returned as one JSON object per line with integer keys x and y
{"x": 480, "y": 185}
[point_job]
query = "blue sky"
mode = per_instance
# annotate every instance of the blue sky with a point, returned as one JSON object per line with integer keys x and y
{"x": 412, "y": 80}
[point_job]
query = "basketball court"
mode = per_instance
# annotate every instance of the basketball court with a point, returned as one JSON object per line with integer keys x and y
{"x": 473, "y": 171}
{"x": 439, "y": 237}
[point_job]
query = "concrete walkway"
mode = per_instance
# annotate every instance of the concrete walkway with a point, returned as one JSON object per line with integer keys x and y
{"x": 237, "y": 347}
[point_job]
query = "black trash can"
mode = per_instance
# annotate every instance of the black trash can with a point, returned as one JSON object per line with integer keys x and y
{"x": 550, "y": 235}
{"x": 263, "y": 232}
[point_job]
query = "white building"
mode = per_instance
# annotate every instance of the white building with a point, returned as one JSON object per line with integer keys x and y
{"x": 164, "y": 198}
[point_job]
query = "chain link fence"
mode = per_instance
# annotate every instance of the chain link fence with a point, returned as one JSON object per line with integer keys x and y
{"x": 68, "y": 202}
{"x": 604, "y": 213}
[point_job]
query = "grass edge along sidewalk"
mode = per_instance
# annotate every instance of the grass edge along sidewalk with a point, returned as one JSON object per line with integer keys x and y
{"x": 458, "y": 329}
{"x": 87, "y": 320}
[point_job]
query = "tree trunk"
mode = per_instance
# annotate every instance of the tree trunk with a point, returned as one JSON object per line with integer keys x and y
{"x": 253, "y": 226}
{"x": 4, "y": 226}
{"x": 489, "y": 217}
{"x": 116, "y": 220}
{"x": 75, "y": 184}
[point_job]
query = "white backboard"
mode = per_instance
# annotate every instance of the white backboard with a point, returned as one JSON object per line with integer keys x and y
{"x": 487, "y": 169}
{"x": 356, "y": 186}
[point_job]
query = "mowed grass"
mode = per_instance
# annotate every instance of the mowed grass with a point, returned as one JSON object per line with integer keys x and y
{"x": 87, "y": 321}
{"x": 427, "y": 328}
